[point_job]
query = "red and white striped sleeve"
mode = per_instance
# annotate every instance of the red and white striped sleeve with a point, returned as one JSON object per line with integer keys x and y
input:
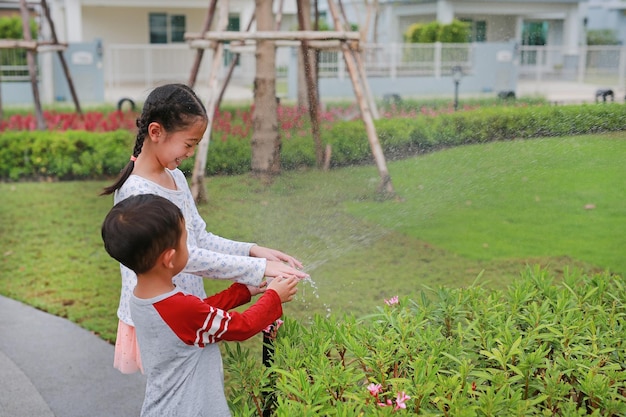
{"x": 200, "y": 322}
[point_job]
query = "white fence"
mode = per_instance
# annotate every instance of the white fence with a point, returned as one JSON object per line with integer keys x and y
{"x": 402, "y": 60}
{"x": 147, "y": 65}
{"x": 593, "y": 64}
{"x": 13, "y": 65}
{"x": 151, "y": 64}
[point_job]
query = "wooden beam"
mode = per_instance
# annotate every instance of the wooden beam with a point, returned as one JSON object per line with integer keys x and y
{"x": 12, "y": 44}
{"x": 51, "y": 48}
{"x": 309, "y": 35}
{"x": 42, "y": 46}
{"x": 245, "y": 46}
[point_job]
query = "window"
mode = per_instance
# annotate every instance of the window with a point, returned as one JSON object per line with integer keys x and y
{"x": 477, "y": 30}
{"x": 534, "y": 33}
{"x": 166, "y": 28}
{"x": 233, "y": 26}
{"x": 480, "y": 31}
{"x": 177, "y": 28}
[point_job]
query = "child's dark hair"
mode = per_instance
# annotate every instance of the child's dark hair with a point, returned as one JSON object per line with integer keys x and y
{"x": 175, "y": 107}
{"x": 138, "y": 229}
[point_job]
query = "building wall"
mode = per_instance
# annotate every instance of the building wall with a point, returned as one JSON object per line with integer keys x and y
{"x": 106, "y": 23}
{"x": 501, "y": 16}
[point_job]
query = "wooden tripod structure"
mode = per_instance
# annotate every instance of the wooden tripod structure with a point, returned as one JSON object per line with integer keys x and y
{"x": 347, "y": 41}
{"x": 32, "y": 47}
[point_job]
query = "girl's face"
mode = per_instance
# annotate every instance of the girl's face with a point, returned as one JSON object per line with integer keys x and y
{"x": 173, "y": 148}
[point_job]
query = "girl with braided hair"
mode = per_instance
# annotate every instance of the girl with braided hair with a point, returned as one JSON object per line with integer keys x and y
{"x": 172, "y": 123}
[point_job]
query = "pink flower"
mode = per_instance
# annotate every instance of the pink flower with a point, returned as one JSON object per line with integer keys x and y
{"x": 393, "y": 300}
{"x": 385, "y": 405}
{"x": 400, "y": 399}
{"x": 374, "y": 389}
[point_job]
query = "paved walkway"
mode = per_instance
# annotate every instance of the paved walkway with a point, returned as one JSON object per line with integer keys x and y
{"x": 565, "y": 92}
{"x": 50, "y": 367}
{"x": 558, "y": 92}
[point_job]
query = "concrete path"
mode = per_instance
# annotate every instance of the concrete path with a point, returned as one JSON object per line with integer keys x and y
{"x": 50, "y": 367}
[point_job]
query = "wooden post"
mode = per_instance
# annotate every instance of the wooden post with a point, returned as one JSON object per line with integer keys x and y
{"x": 361, "y": 67}
{"x": 66, "y": 70}
{"x": 279, "y": 14}
{"x": 200, "y": 52}
{"x": 32, "y": 69}
{"x": 197, "y": 182}
{"x": 377, "y": 151}
{"x": 311, "y": 89}
{"x": 347, "y": 41}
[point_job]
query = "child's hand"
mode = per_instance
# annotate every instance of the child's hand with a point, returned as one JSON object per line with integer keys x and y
{"x": 285, "y": 287}
{"x": 257, "y": 290}
{"x": 277, "y": 268}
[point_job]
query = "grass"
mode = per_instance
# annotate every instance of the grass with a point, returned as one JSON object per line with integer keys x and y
{"x": 482, "y": 210}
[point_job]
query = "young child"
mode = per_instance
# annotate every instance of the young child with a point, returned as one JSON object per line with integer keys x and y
{"x": 172, "y": 122}
{"x": 177, "y": 332}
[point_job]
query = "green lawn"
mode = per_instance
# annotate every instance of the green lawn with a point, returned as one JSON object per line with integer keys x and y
{"x": 485, "y": 210}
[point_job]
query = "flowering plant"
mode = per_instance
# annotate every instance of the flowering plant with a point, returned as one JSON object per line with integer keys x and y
{"x": 533, "y": 349}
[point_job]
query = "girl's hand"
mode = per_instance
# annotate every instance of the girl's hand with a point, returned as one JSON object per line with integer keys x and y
{"x": 277, "y": 268}
{"x": 274, "y": 255}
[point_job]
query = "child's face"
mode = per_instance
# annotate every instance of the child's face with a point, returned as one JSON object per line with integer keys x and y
{"x": 175, "y": 147}
{"x": 182, "y": 253}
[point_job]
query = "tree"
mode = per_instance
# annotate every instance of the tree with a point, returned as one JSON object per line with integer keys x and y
{"x": 266, "y": 141}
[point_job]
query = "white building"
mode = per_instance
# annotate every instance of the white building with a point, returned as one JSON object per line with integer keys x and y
{"x": 527, "y": 22}
{"x": 142, "y": 41}
{"x": 146, "y": 21}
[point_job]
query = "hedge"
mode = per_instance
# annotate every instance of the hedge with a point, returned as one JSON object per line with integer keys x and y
{"x": 80, "y": 155}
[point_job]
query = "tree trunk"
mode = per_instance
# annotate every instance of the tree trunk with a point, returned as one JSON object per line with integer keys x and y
{"x": 266, "y": 141}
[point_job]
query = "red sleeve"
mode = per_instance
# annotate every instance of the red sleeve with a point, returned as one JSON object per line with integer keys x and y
{"x": 197, "y": 323}
{"x": 233, "y": 296}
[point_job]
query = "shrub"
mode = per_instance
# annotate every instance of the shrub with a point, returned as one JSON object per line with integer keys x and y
{"x": 63, "y": 155}
{"x": 403, "y": 131}
{"x": 537, "y": 348}
{"x": 454, "y": 32}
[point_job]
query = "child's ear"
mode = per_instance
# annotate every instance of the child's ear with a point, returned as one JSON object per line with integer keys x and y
{"x": 167, "y": 257}
{"x": 155, "y": 130}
